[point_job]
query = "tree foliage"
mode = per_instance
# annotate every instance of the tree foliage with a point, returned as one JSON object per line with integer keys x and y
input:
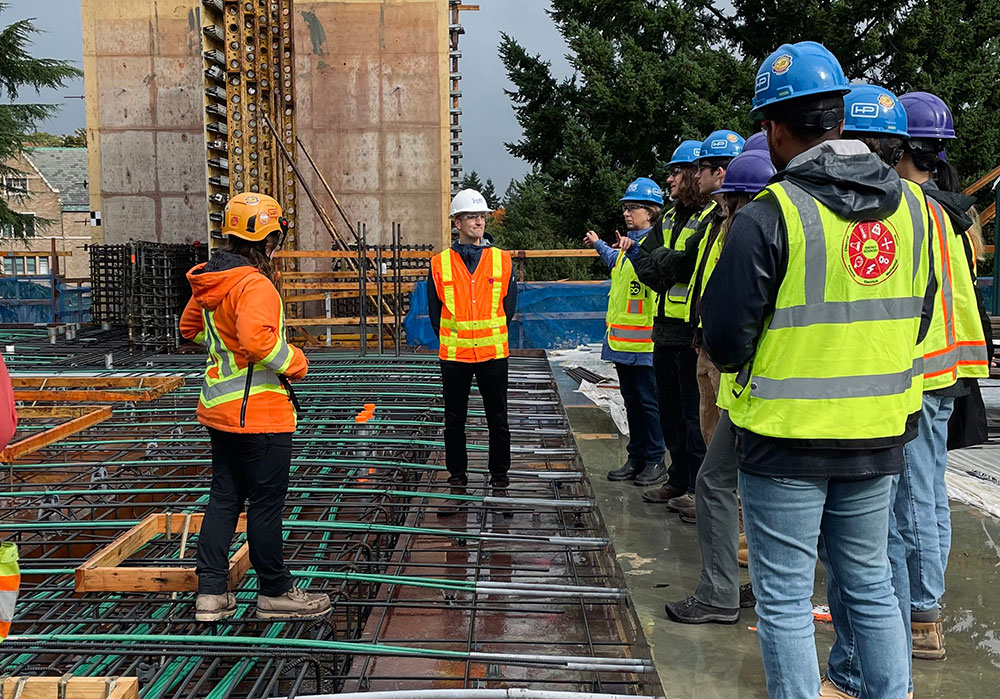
{"x": 19, "y": 71}
{"x": 487, "y": 189}
{"x": 650, "y": 73}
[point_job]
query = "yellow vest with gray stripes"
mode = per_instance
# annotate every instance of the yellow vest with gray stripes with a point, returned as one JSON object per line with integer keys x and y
{"x": 229, "y": 382}
{"x": 10, "y": 583}
{"x": 675, "y": 301}
{"x": 838, "y": 358}
{"x": 630, "y": 309}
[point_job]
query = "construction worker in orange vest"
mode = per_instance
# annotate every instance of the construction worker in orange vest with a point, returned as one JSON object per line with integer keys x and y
{"x": 471, "y": 299}
{"x": 247, "y": 404}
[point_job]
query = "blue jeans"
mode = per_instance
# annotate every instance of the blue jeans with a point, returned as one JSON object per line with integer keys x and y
{"x": 919, "y": 540}
{"x": 642, "y": 408}
{"x": 784, "y": 519}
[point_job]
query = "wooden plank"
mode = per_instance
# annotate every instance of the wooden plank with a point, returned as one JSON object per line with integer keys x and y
{"x": 76, "y": 687}
{"x": 351, "y": 254}
{"x": 343, "y": 286}
{"x": 84, "y": 389}
{"x": 316, "y": 322}
{"x": 54, "y": 434}
{"x": 35, "y": 253}
{"x": 88, "y": 575}
{"x": 986, "y": 179}
{"x": 289, "y": 276}
{"x": 567, "y": 252}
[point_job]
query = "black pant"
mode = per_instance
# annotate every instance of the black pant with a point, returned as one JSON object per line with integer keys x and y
{"x": 491, "y": 377}
{"x": 677, "y": 385}
{"x": 254, "y": 467}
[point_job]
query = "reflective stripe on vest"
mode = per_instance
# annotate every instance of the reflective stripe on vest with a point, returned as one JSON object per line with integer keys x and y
{"x": 704, "y": 265}
{"x": 10, "y": 583}
{"x": 674, "y": 304}
{"x": 839, "y": 358}
{"x": 629, "y": 317}
{"x": 230, "y": 385}
{"x": 465, "y": 337}
{"x": 955, "y": 346}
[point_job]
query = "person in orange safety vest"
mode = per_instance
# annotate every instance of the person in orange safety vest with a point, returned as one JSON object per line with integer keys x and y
{"x": 249, "y": 408}
{"x": 471, "y": 299}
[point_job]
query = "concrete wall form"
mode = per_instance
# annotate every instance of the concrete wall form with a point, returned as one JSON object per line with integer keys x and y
{"x": 372, "y": 94}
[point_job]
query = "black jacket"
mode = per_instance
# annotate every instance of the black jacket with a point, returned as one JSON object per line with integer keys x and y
{"x": 660, "y": 267}
{"x": 742, "y": 291}
{"x": 470, "y": 254}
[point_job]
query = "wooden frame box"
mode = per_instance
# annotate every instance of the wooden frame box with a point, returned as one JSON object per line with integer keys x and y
{"x": 72, "y": 687}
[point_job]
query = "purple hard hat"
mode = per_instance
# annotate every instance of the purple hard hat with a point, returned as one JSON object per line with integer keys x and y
{"x": 748, "y": 172}
{"x": 927, "y": 116}
{"x": 756, "y": 142}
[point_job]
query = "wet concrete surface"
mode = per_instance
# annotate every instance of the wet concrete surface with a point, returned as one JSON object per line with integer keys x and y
{"x": 659, "y": 555}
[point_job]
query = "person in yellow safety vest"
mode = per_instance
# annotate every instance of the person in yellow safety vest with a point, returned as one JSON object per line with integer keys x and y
{"x": 629, "y": 340}
{"x": 471, "y": 298}
{"x": 717, "y": 152}
{"x": 820, "y": 301}
{"x": 719, "y": 596}
{"x": 10, "y": 576}
{"x": 249, "y": 408}
{"x": 665, "y": 264}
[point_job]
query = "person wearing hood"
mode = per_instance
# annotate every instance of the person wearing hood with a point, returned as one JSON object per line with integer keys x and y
{"x": 248, "y": 406}
{"x": 665, "y": 264}
{"x": 819, "y": 303}
{"x": 956, "y": 356}
{"x": 629, "y": 340}
{"x": 471, "y": 298}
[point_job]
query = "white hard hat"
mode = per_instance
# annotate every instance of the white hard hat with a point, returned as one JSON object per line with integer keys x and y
{"x": 469, "y": 201}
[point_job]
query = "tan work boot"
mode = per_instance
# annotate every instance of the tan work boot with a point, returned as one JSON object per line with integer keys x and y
{"x": 928, "y": 640}
{"x": 828, "y": 690}
{"x": 743, "y": 552}
{"x": 681, "y": 503}
{"x": 294, "y": 604}
{"x": 214, "y": 607}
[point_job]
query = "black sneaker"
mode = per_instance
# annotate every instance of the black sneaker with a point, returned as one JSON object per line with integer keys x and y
{"x": 747, "y": 597}
{"x": 653, "y": 474}
{"x": 691, "y": 611}
{"x": 626, "y": 472}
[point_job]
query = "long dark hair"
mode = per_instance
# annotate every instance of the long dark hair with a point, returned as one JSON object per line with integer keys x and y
{"x": 256, "y": 252}
{"x": 690, "y": 195}
{"x": 734, "y": 202}
{"x": 925, "y": 157}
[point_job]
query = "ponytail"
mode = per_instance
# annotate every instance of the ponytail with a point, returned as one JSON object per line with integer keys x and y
{"x": 256, "y": 253}
{"x": 925, "y": 154}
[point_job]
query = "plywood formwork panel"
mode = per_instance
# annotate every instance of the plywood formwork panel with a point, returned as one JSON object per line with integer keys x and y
{"x": 71, "y": 687}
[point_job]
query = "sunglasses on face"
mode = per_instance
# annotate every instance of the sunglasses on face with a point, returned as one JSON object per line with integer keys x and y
{"x": 472, "y": 217}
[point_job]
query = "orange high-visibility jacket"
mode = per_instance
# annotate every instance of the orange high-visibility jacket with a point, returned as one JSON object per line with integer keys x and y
{"x": 237, "y": 313}
{"x": 473, "y": 320}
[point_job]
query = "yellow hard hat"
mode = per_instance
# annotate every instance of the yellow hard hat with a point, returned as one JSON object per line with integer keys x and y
{"x": 253, "y": 217}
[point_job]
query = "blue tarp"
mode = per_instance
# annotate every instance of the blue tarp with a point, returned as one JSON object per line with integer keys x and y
{"x": 550, "y": 315}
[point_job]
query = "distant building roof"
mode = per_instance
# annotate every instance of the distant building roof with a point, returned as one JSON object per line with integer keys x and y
{"x": 66, "y": 170}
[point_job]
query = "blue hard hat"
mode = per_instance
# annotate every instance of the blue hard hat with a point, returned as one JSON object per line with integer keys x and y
{"x": 873, "y": 109}
{"x": 797, "y": 70}
{"x": 722, "y": 144}
{"x": 756, "y": 142}
{"x": 927, "y": 115}
{"x": 687, "y": 153}
{"x": 748, "y": 172}
{"x": 645, "y": 191}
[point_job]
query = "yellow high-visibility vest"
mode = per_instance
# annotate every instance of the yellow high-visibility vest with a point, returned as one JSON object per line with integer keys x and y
{"x": 630, "y": 309}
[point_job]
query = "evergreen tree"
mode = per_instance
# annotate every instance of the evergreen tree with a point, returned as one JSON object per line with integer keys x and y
{"x": 19, "y": 71}
{"x": 471, "y": 181}
{"x": 489, "y": 192}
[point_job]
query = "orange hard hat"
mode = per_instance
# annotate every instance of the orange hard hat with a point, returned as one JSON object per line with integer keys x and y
{"x": 253, "y": 217}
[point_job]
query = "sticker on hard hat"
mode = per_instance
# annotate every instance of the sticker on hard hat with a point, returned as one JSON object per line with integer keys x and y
{"x": 781, "y": 64}
{"x": 763, "y": 82}
{"x": 697, "y": 152}
{"x": 273, "y": 212}
{"x": 234, "y": 220}
{"x": 869, "y": 252}
{"x": 719, "y": 143}
{"x": 732, "y": 138}
{"x": 864, "y": 109}
{"x": 251, "y": 200}
{"x": 886, "y": 101}
{"x": 634, "y": 187}
{"x": 263, "y": 218}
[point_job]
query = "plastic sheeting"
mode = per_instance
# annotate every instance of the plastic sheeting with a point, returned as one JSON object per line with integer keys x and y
{"x": 550, "y": 315}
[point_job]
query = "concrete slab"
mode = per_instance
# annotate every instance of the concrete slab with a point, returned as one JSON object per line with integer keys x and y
{"x": 661, "y": 562}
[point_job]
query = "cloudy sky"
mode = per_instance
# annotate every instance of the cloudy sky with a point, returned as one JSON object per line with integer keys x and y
{"x": 487, "y": 119}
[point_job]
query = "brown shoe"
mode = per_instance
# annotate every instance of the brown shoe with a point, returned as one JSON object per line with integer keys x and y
{"x": 928, "y": 640}
{"x": 662, "y": 494}
{"x": 294, "y": 604}
{"x": 688, "y": 515}
{"x": 743, "y": 552}
{"x": 449, "y": 507}
{"x": 214, "y": 607}
{"x": 681, "y": 503}
{"x": 828, "y": 690}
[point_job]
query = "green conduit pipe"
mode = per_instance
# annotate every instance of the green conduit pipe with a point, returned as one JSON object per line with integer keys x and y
{"x": 540, "y": 502}
{"x": 596, "y": 663}
{"x": 345, "y": 526}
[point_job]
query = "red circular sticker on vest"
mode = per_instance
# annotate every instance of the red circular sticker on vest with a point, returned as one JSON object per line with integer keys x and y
{"x": 870, "y": 252}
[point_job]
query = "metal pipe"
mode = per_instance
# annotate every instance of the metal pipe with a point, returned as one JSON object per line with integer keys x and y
{"x": 512, "y": 693}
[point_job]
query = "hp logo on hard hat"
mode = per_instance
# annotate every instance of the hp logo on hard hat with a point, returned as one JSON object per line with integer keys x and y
{"x": 719, "y": 143}
{"x": 862, "y": 109}
{"x": 763, "y": 82}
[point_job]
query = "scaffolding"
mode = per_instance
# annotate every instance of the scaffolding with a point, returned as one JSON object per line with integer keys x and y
{"x": 522, "y": 589}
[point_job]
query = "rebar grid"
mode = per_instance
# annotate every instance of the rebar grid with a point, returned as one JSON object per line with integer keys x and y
{"x": 420, "y": 600}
